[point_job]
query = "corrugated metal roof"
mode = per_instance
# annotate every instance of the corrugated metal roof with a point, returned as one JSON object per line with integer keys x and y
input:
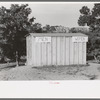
{"x": 56, "y": 34}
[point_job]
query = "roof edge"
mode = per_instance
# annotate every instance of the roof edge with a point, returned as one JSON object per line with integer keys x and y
{"x": 56, "y": 34}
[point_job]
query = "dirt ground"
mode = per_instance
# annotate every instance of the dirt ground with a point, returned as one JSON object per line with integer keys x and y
{"x": 91, "y": 72}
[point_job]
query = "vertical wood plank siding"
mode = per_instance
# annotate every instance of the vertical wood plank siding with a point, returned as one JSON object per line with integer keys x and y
{"x": 29, "y": 50}
{"x": 60, "y": 51}
{"x": 54, "y": 44}
{"x": 49, "y": 54}
{"x": 33, "y": 52}
{"x": 71, "y": 51}
{"x": 84, "y": 53}
{"x": 80, "y": 53}
{"x": 67, "y": 51}
{"x": 76, "y": 52}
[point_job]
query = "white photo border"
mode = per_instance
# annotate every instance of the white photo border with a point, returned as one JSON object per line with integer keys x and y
{"x": 49, "y": 89}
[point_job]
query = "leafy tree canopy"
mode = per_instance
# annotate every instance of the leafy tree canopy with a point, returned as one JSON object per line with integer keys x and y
{"x": 90, "y": 18}
{"x": 55, "y": 29}
{"x": 16, "y": 20}
{"x": 78, "y": 30}
{"x": 35, "y": 28}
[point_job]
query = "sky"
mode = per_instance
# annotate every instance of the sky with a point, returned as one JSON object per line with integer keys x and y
{"x": 54, "y": 13}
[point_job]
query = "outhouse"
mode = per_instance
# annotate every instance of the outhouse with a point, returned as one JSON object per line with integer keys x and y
{"x": 55, "y": 49}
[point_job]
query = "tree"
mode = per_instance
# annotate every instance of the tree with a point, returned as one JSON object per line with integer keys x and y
{"x": 90, "y": 18}
{"x": 46, "y": 29}
{"x": 78, "y": 30}
{"x": 93, "y": 46}
{"x": 55, "y": 29}
{"x": 61, "y": 29}
{"x": 35, "y": 28}
{"x": 15, "y": 19}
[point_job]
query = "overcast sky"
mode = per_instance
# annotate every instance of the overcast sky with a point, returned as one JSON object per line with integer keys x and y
{"x": 65, "y": 14}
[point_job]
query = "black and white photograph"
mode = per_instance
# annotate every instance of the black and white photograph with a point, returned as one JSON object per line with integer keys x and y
{"x": 49, "y": 41}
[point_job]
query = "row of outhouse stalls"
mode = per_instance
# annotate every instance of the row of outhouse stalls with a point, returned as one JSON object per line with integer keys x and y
{"x": 56, "y": 49}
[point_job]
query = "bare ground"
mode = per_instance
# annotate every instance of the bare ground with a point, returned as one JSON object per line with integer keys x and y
{"x": 91, "y": 72}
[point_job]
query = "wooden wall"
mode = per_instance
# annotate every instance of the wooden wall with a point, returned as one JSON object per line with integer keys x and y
{"x": 60, "y": 51}
{"x": 29, "y": 50}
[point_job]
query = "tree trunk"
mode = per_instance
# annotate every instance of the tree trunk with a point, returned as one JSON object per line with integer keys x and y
{"x": 17, "y": 62}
